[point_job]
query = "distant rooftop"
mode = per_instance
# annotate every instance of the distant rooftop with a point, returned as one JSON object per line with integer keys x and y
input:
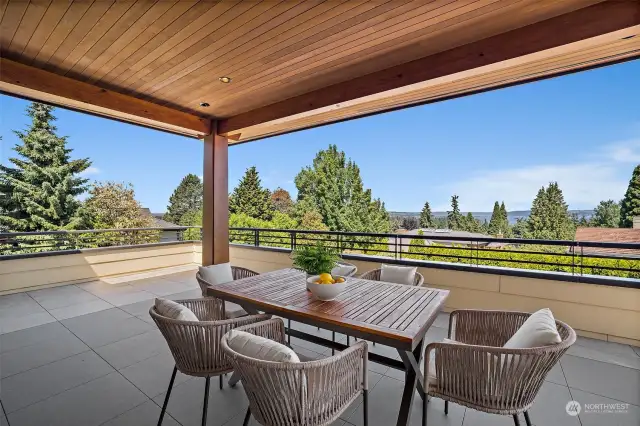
{"x": 160, "y": 223}
{"x": 608, "y": 235}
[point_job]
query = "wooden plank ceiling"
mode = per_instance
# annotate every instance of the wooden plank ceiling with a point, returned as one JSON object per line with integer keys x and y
{"x": 293, "y": 64}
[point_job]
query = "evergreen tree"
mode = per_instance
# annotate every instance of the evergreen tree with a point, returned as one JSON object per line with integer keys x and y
{"x": 471, "y": 224}
{"x": 250, "y": 198}
{"x": 40, "y": 192}
{"x": 630, "y": 204}
{"x": 505, "y": 227}
{"x": 426, "y": 218}
{"x": 187, "y": 197}
{"x": 454, "y": 217}
{"x": 606, "y": 214}
{"x": 281, "y": 200}
{"x": 549, "y": 218}
{"x": 332, "y": 186}
{"x": 494, "y": 223}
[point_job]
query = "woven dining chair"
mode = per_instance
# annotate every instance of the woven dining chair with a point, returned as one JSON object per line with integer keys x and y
{"x": 231, "y": 310}
{"x": 195, "y": 345}
{"x": 477, "y": 372}
{"x": 311, "y": 393}
{"x": 374, "y": 275}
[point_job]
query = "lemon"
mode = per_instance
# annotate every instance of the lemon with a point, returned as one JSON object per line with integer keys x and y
{"x": 340, "y": 280}
{"x": 325, "y": 277}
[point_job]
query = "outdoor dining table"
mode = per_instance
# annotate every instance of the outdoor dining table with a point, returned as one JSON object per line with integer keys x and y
{"x": 395, "y": 315}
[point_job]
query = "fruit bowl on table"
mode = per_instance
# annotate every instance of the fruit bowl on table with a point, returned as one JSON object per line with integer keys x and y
{"x": 327, "y": 291}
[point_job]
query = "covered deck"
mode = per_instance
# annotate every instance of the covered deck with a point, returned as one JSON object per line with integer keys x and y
{"x": 231, "y": 72}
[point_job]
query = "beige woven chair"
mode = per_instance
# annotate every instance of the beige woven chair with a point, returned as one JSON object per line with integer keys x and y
{"x": 374, "y": 275}
{"x": 195, "y": 345}
{"x": 477, "y": 372}
{"x": 231, "y": 310}
{"x": 312, "y": 393}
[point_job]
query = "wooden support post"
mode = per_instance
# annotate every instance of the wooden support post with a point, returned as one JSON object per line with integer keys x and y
{"x": 215, "y": 216}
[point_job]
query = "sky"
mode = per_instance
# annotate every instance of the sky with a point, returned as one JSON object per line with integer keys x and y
{"x": 581, "y": 130}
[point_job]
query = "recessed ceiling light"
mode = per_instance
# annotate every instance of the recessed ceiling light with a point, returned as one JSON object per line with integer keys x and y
{"x": 628, "y": 37}
{"x": 225, "y": 79}
{"x": 204, "y": 104}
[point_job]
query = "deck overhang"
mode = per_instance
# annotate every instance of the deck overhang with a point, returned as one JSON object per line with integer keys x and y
{"x": 292, "y": 67}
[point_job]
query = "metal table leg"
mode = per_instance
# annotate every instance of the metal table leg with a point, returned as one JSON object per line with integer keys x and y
{"x": 413, "y": 380}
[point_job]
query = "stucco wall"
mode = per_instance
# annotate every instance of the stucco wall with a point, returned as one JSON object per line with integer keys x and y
{"x": 45, "y": 271}
{"x": 603, "y": 312}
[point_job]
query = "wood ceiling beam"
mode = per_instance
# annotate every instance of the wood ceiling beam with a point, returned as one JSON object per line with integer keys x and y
{"x": 592, "y": 21}
{"x": 33, "y": 83}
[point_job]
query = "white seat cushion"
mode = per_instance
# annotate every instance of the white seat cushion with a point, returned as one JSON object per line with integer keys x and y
{"x": 233, "y": 310}
{"x": 170, "y": 309}
{"x": 398, "y": 274}
{"x": 259, "y": 347}
{"x": 538, "y": 330}
{"x": 432, "y": 377}
{"x": 217, "y": 274}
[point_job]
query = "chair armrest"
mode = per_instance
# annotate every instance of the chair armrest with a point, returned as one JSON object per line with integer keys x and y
{"x": 484, "y": 328}
{"x": 272, "y": 329}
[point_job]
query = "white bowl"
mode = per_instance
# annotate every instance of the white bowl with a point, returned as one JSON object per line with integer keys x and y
{"x": 326, "y": 292}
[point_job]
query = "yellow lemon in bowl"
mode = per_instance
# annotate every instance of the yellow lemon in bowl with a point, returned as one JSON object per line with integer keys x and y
{"x": 325, "y": 277}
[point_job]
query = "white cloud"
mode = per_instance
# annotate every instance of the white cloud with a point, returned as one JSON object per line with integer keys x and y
{"x": 583, "y": 185}
{"x": 624, "y": 152}
{"x": 91, "y": 171}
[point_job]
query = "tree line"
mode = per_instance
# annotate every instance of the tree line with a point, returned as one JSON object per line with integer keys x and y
{"x": 549, "y": 217}
{"x": 40, "y": 191}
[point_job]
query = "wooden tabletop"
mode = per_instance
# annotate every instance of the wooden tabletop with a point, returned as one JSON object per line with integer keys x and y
{"x": 394, "y": 314}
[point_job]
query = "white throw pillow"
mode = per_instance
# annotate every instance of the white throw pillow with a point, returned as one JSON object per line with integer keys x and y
{"x": 217, "y": 274}
{"x": 259, "y": 347}
{"x": 343, "y": 270}
{"x": 398, "y": 274}
{"x": 170, "y": 309}
{"x": 538, "y": 330}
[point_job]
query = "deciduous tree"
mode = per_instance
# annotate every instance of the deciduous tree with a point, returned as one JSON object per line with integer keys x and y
{"x": 40, "y": 192}
{"x": 250, "y": 198}
{"x": 606, "y": 214}
{"x": 281, "y": 200}
{"x": 113, "y": 205}
{"x": 630, "y": 204}
{"x": 187, "y": 197}
{"x": 410, "y": 222}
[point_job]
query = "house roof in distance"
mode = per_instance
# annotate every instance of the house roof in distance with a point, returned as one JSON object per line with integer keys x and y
{"x": 609, "y": 235}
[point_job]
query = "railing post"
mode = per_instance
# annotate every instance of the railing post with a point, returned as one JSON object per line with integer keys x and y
{"x": 292, "y": 236}
{"x": 395, "y": 247}
{"x": 256, "y": 237}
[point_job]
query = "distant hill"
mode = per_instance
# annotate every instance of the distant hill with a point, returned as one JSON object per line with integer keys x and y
{"x": 481, "y": 216}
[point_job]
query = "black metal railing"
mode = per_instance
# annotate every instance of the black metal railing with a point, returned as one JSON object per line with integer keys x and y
{"x": 36, "y": 242}
{"x": 573, "y": 257}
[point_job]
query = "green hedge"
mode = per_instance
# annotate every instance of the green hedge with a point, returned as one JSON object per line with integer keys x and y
{"x": 553, "y": 259}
